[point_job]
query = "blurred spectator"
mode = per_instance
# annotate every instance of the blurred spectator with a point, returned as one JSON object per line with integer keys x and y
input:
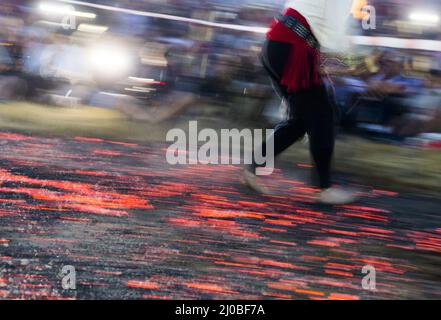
{"x": 375, "y": 86}
{"x": 426, "y": 114}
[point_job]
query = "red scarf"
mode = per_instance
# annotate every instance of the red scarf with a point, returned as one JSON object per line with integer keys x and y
{"x": 302, "y": 70}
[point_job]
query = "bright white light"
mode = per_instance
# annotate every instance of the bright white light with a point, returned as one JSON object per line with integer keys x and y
{"x": 109, "y": 60}
{"x": 56, "y": 8}
{"x": 64, "y": 10}
{"x": 424, "y": 18}
{"x": 143, "y": 80}
{"x": 91, "y": 28}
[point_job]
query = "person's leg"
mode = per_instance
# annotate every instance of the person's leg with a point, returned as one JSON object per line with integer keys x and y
{"x": 286, "y": 133}
{"x": 319, "y": 123}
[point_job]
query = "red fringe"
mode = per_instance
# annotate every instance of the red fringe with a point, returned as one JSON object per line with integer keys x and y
{"x": 302, "y": 70}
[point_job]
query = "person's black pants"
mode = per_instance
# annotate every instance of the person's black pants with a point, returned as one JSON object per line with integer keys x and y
{"x": 310, "y": 112}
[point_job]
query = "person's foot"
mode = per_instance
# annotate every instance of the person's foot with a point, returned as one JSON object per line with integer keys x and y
{"x": 252, "y": 181}
{"x": 335, "y": 196}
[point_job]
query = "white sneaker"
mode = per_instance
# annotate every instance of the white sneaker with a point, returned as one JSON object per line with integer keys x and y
{"x": 336, "y": 196}
{"x": 251, "y": 180}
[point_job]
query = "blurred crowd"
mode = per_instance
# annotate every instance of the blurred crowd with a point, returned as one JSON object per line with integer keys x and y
{"x": 53, "y": 52}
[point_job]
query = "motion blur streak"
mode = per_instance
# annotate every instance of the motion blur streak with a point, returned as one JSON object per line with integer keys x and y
{"x": 360, "y": 40}
{"x": 169, "y": 17}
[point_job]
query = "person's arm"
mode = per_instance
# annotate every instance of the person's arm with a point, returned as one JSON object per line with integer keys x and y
{"x": 334, "y": 27}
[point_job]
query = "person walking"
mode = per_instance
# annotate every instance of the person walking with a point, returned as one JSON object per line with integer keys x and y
{"x": 291, "y": 57}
